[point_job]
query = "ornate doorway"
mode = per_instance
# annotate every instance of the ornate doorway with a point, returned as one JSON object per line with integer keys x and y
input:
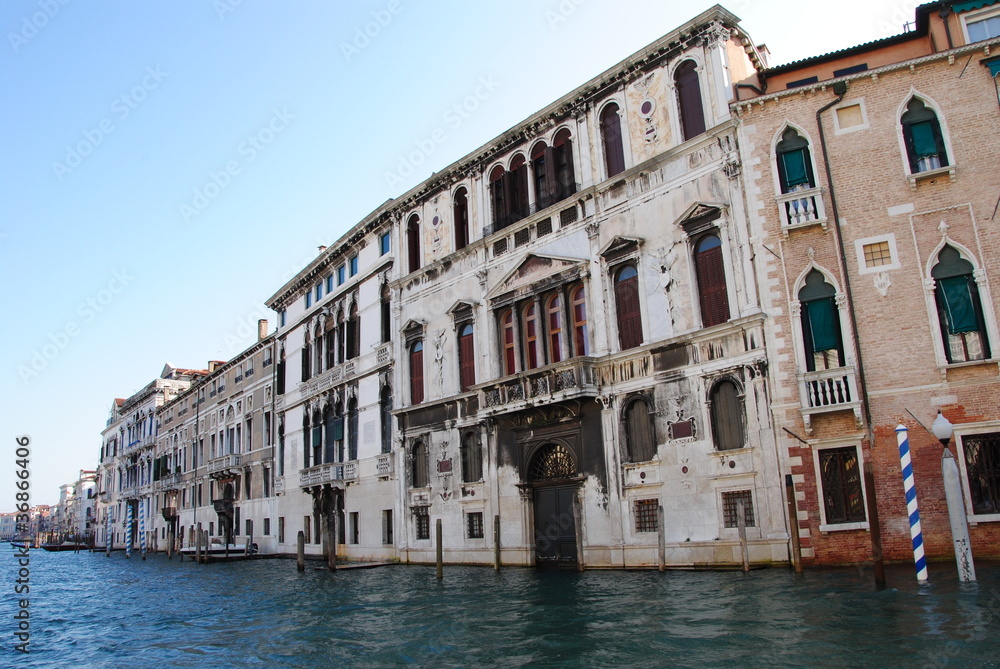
{"x": 551, "y": 472}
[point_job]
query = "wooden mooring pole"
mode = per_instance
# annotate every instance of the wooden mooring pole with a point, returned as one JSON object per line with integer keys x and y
{"x": 793, "y": 523}
{"x": 741, "y": 524}
{"x": 331, "y": 540}
{"x": 301, "y": 551}
{"x": 662, "y": 531}
{"x": 875, "y": 531}
{"x": 170, "y": 543}
{"x": 577, "y": 515}
{"x": 439, "y": 550}
{"x": 197, "y": 545}
{"x": 496, "y": 542}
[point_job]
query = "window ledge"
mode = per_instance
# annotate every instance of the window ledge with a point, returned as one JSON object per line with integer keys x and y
{"x": 984, "y": 518}
{"x": 950, "y": 170}
{"x": 843, "y": 527}
{"x": 968, "y": 363}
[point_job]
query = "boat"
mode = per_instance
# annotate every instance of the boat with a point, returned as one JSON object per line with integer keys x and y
{"x": 216, "y": 549}
{"x": 64, "y": 546}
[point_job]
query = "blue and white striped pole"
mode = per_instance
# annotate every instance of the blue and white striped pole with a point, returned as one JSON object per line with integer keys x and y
{"x": 128, "y": 529}
{"x": 142, "y": 528}
{"x": 916, "y": 536}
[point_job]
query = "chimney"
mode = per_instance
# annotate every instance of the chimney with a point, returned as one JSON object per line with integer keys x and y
{"x": 321, "y": 248}
{"x": 262, "y": 329}
{"x": 211, "y": 366}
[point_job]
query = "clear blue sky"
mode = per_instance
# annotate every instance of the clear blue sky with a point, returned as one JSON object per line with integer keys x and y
{"x": 118, "y": 113}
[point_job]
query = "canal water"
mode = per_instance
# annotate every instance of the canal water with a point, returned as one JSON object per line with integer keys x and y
{"x": 87, "y": 610}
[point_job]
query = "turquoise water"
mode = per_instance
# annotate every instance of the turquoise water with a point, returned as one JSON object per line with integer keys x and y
{"x": 91, "y": 611}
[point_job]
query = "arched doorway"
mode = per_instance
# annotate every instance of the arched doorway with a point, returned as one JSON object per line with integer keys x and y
{"x": 552, "y": 473}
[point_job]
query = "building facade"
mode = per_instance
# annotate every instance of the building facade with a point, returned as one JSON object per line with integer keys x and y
{"x": 872, "y": 192}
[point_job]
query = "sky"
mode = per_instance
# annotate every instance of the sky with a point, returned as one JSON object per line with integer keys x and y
{"x": 168, "y": 165}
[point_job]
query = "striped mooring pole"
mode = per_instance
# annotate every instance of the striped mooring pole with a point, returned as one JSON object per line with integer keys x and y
{"x": 916, "y": 536}
{"x": 128, "y": 530}
{"x": 142, "y": 528}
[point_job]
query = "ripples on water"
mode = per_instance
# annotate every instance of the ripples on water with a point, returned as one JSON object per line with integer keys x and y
{"x": 92, "y": 611}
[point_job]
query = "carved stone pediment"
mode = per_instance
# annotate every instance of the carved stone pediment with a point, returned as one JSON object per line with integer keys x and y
{"x": 535, "y": 269}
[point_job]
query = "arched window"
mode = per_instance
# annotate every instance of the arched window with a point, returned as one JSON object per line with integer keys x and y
{"x": 318, "y": 353}
{"x": 306, "y": 357}
{"x": 472, "y": 459}
{"x": 353, "y": 332}
{"x": 640, "y": 440}
{"x": 518, "y": 177}
{"x": 627, "y": 305}
{"x": 417, "y": 372}
{"x": 338, "y": 432}
{"x": 532, "y": 357}
{"x": 341, "y": 335}
{"x": 305, "y": 441}
{"x": 334, "y": 428}
{"x": 794, "y": 162}
{"x": 611, "y": 138}
{"x": 552, "y": 461}
{"x": 413, "y": 243}
{"x": 578, "y": 299}
{"x": 960, "y": 311}
{"x": 499, "y": 197}
{"x": 689, "y": 99}
{"x": 711, "y": 272}
{"x": 554, "y": 322}
{"x": 386, "y": 314}
{"x": 352, "y": 429}
{"x": 562, "y": 153}
{"x": 543, "y": 174}
{"x": 330, "y": 341}
{"x": 922, "y": 136}
{"x": 727, "y": 416}
{"x": 466, "y": 358}
{"x": 385, "y": 416}
{"x": 419, "y": 473}
{"x": 509, "y": 342}
{"x": 821, "y": 334}
{"x": 280, "y": 373}
{"x": 461, "y": 217}
{"x": 317, "y": 437}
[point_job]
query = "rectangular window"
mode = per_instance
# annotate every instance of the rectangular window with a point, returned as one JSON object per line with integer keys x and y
{"x": 877, "y": 254}
{"x": 309, "y": 299}
{"x": 267, "y": 527}
{"x": 474, "y": 524}
{"x": 354, "y": 527}
{"x": 319, "y": 291}
{"x": 329, "y": 284}
{"x": 986, "y": 28}
{"x": 387, "y": 526}
{"x": 249, "y": 527}
{"x": 383, "y": 244}
{"x": 645, "y": 515}
{"x": 281, "y": 529}
{"x": 730, "y": 504}
{"x": 341, "y": 275}
{"x": 982, "y": 466}
{"x": 422, "y": 518}
{"x": 354, "y": 265}
{"x": 843, "y": 498}
{"x": 282, "y": 317}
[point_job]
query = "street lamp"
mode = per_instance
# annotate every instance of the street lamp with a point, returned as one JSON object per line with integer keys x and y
{"x": 943, "y": 429}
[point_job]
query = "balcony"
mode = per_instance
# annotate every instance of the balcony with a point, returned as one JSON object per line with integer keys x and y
{"x": 383, "y": 465}
{"x": 829, "y": 390}
{"x": 225, "y": 466}
{"x": 801, "y": 209}
{"x": 554, "y": 383}
{"x": 169, "y": 513}
{"x": 168, "y": 482}
{"x": 320, "y": 474}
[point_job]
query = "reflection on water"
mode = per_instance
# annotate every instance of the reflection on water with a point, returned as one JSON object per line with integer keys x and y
{"x": 88, "y": 610}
